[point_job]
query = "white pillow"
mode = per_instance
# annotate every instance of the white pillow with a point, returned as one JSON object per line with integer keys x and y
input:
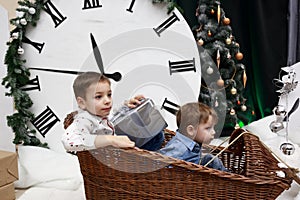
{"x": 46, "y": 168}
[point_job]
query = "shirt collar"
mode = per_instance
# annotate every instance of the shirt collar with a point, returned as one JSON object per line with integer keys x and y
{"x": 188, "y": 142}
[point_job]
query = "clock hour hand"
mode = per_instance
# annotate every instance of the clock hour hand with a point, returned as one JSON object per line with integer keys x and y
{"x": 115, "y": 76}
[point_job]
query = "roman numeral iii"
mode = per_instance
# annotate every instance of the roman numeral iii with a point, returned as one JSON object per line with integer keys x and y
{"x": 182, "y": 66}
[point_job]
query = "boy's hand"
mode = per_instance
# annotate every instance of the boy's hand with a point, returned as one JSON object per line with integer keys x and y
{"x": 133, "y": 102}
{"x": 122, "y": 141}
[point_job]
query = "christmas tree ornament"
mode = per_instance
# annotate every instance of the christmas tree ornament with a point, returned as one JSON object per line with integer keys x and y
{"x": 239, "y": 56}
{"x": 232, "y": 111}
{"x": 233, "y": 90}
{"x": 237, "y": 126}
{"x": 244, "y": 78}
{"x": 20, "y": 51}
{"x": 228, "y": 55}
{"x": 216, "y": 102}
{"x": 226, "y": 21}
{"x": 209, "y": 70}
{"x": 220, "y": 82}
{"x": 209, "y": 34}
{"x": 219, "y": 14}
{"x": 200, "y": 42}
{"x": 228, "y": 41}
{"x": 15, "y": 35}
{"x": 287, "y": 148}
{"x": 218, "y": 58}
{"x": 31, "y": 11}
{"x": 238, "y": 102}
{"x": 287, "y": 84}
{"x": 237, "y": 44}
{"x": 202, "y": 18}
{"x": 23, "y": 21}
{"x": 243, "y": 107}
{"x": 212, "y": 11}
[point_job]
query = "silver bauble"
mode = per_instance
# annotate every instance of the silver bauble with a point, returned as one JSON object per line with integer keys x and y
{"x": 287, "y": 148}
{"x": 276, "y": 126}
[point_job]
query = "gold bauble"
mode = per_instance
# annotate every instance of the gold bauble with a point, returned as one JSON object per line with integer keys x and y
{"x": 233, "y": 91}
{"x": 226, "y": 21}
{"x": 220, "y": 82}
{"x": 200, "y": 42}
{"x": 228, "y": 41}
{"x": 239, "y": 56}
{"x": 243, "y": 108}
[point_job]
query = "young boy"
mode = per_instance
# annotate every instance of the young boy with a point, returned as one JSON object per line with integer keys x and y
{"x": 91, "y": 127}
{"x": 195, "y": 123}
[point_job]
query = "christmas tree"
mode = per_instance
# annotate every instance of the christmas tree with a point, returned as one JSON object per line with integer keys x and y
{"x": 223, "y": 75}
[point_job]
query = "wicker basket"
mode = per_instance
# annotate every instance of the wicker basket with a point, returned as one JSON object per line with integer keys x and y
{"x": 111, "y": 173}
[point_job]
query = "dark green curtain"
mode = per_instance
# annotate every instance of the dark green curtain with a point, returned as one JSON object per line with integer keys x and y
{"x": 260, "y": 27}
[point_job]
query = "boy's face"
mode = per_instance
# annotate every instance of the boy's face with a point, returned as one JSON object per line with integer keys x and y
{"x": 205, "y": 132}
{"x": 98, "y": 99}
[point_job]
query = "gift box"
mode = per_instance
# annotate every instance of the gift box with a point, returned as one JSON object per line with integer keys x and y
{"x": 8, "y": 174}
{"x": 7, "y": 192}
{"x": 141, "y": 123}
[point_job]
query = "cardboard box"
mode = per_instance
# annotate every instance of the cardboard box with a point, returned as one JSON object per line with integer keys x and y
{"x": 7, "y": 192}
{"x": 8, "y": 167}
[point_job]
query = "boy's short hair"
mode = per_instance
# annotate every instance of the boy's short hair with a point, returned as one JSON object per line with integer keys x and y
{"x": 84, "y": 80}
{"x": 194, "y": 113}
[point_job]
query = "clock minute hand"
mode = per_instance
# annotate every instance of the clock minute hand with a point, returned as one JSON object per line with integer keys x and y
{"x": 97, "y": 54}
{"x": 115, "y": 76}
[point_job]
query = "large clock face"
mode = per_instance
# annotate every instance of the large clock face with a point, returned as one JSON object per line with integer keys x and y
{"x": 154, "y": 52}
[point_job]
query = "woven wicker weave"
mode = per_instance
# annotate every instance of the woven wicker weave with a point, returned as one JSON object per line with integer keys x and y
{"x": 111, "y": 173}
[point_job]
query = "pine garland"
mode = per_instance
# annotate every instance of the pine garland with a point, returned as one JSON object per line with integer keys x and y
{"x": 18, "y": 74}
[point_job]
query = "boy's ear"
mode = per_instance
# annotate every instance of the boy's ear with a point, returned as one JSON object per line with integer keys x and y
{"x": 190, "y": 129}
{"x": 80, "y": 102}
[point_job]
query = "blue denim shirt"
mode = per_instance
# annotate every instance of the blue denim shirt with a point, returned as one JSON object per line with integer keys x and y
{"x": 182, "y": 147}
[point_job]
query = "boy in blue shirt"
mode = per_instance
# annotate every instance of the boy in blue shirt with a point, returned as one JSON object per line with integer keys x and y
{"x": 195, "y": 123}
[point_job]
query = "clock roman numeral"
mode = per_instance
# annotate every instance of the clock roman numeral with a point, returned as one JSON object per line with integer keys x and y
{"x": 131, "y": 6}
{"x": 166, "y": 24}
{"x": 166, "y": 105}
{"x": 45, "y": 121}
{"x": 38, "y": 46}
{"x": 182, "y": 66}
{"x": 32, "y": 84}
{"x": 88, "y": 4}
{"x": 54, "y": 13}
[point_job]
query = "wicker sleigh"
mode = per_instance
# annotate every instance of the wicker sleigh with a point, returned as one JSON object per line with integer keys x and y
{"x": 112, "y": 173}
